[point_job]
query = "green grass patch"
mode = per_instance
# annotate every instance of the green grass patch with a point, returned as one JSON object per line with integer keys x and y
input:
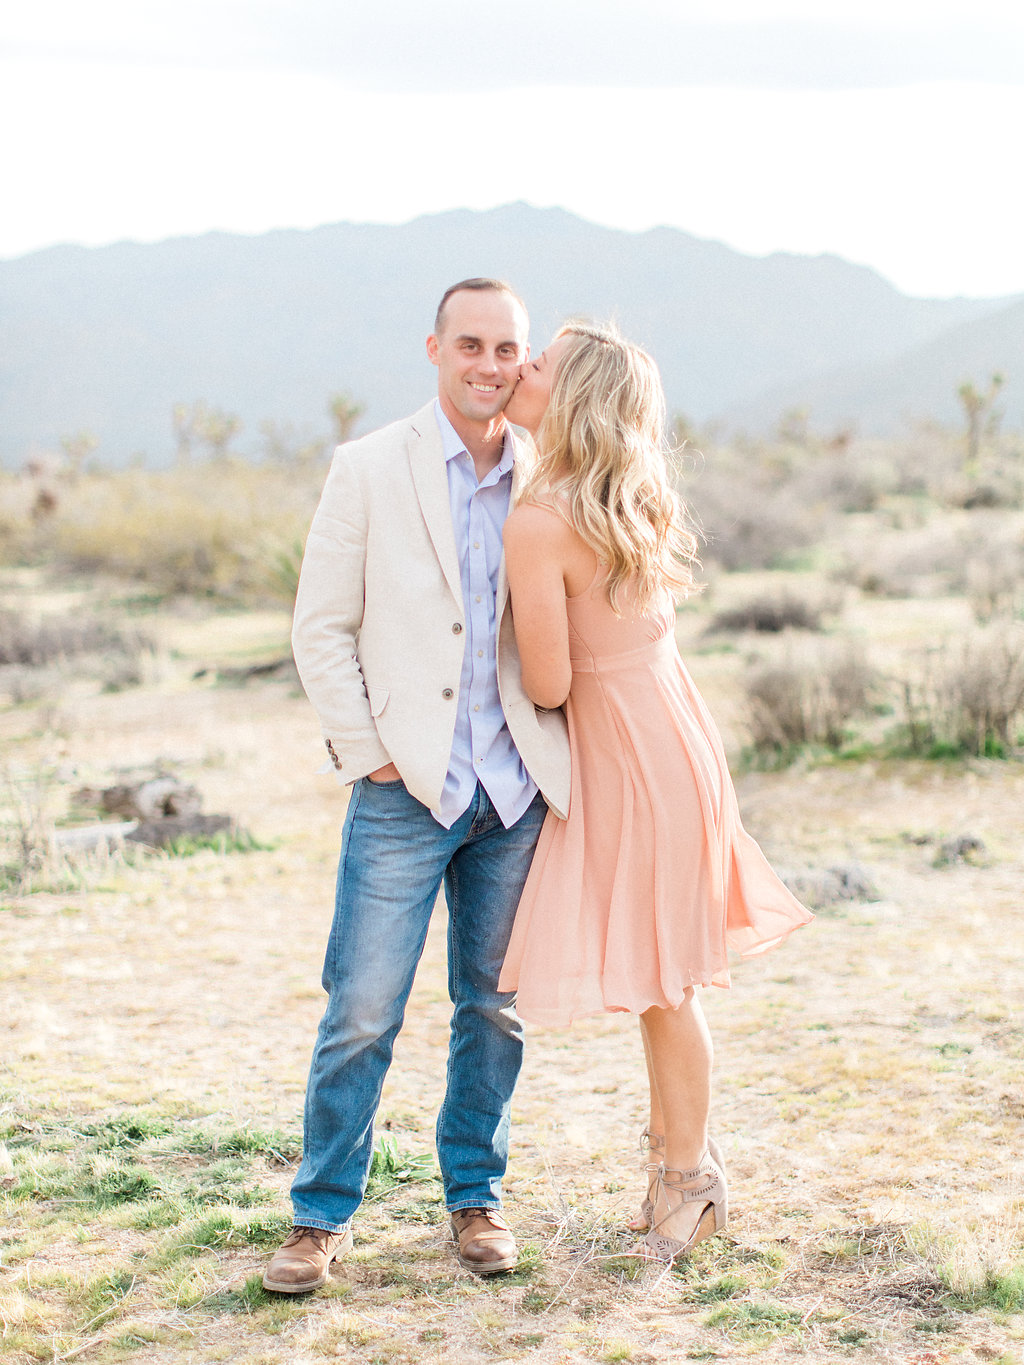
{"x": 755, "y": 1321}
{"x": 225, "y": 841}
{"x": 717, "y": 1290}
{"x": 1002, "y": 1291}
{"x": 164, "y": 1170}
{"x": 390, "y": 1167}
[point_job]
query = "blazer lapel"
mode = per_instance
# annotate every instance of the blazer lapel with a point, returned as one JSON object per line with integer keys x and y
{"x": 430, "y": 480}
{"x": 518, "y": 476}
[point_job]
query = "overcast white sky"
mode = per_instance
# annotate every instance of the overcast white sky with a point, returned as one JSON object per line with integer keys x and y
{"x": 888, "y": 133}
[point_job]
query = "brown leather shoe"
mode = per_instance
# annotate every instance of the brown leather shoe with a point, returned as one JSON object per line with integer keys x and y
{"x": 303, "y": 1262}
{"x": 484, "y": 1241}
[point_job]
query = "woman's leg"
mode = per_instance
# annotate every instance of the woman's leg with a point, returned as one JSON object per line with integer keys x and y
{"x": 655, "y": 1135}
{"x": 655, "y": 1126}
{"x": 680, "y": 1054}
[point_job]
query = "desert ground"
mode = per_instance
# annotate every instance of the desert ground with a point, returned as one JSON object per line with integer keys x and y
{"x": 159, "y": 1008}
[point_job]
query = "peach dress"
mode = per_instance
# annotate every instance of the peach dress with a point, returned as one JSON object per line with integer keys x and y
{"x": 650, "y": 881}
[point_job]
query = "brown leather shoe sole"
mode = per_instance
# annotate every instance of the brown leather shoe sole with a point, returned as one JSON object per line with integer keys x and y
{"x": 477, "y": 1267}
{"x": 306, "y": 1286}
{"x": 489, "y": 1267}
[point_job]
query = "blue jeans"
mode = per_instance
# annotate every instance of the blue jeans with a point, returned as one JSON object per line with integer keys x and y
{"x": 394, "y": 856}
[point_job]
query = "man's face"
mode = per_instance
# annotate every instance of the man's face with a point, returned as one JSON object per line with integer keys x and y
{"x": 478, "y": 352}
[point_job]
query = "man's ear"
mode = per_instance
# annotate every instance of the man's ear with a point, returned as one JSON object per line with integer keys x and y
{"x": 432, "y": 349}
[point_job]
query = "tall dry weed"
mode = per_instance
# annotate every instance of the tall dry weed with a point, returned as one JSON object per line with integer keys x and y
{"x": 807, "y": 697}
{"x": 217, "y": 529}
{"x": 969, "y": 696}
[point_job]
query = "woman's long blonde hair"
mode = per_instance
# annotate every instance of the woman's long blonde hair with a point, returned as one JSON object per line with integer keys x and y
{"x": 601, "y": 462}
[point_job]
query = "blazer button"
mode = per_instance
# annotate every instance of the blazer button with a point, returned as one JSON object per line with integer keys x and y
{"x": 457, "y": 628}
{"x": 447, "y": 694}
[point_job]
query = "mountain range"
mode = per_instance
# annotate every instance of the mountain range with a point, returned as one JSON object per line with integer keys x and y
{"x": 106, "y": 340}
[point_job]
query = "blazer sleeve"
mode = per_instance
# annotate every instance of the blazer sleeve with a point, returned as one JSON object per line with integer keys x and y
{"x": 328, "y": 615}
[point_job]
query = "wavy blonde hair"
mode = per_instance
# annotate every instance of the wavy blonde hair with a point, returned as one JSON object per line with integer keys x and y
{"x": 601, "y": 462}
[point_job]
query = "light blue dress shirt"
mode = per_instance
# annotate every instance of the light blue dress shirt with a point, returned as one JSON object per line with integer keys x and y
{"x": 482, "y": 750}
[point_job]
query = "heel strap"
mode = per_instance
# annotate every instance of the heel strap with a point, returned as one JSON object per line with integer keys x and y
{"x": 708, "y": 1169}
{"x": 651, "y": 1142}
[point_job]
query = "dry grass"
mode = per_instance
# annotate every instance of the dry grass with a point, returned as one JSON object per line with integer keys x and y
{"x": 159, "y": 1016}
{"x": 159, "y": 1011}
{"x": 224, "y": 529}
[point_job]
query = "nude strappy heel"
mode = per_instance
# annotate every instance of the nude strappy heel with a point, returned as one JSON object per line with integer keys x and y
{"x": 654, "y": 1143}
{"x": 711, "y": 1190}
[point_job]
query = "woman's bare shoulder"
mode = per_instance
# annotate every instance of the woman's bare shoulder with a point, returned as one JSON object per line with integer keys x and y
{"x": 536, "y": 523}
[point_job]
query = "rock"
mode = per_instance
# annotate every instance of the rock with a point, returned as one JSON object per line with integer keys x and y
{"x": 157, "y": 797}
{"x": 958, "y": 849}
{"x": 160, "y": 833}
{"x": 90, "y": 838}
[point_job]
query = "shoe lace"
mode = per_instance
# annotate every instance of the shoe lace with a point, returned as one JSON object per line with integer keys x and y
{"x": 298, "y": 1234}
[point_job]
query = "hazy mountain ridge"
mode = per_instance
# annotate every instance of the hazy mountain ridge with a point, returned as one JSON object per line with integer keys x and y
{"x": 108, "y": 339}
{"x": 918, "y": 384}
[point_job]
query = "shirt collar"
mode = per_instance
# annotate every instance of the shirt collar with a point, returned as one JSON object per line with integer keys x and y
{"x": 454, "y": 445}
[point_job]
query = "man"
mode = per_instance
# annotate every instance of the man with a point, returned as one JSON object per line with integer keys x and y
{"x": 403, "y": 639}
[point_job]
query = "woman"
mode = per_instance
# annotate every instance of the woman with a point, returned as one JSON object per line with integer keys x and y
{"x": 633, "y": 902}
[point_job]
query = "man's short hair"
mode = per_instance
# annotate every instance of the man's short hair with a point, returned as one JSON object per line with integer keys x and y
{"x": 479, "y": 282}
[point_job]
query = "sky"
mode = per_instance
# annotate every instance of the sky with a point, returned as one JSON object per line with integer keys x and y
{"x": 888, "y": 133}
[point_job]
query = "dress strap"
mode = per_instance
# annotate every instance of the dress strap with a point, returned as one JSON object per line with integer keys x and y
{"x": 599, "y": 572}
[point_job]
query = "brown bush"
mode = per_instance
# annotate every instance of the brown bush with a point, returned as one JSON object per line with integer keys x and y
{"x": 807, "y": 698}
{"x": 35, "y": 643}
{"x": 769, "y": 614}
{"x": 969, "y": 697}
{"x": 753, "y": 514}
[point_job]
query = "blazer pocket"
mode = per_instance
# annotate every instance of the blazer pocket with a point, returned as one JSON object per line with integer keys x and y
{"x": 378, "y": 699}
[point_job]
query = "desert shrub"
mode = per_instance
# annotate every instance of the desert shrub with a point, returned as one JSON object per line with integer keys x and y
{"x": 752, "y": 516}
{"x": 824, "y": 887}
{"x": 770, "y": 614}
{"x": 998, "y": 483}
{"x": 968, "y": 697}
{"x": 808, "y": 697}
{"x": 928, "y": 461}
{"x": 918, "y": 562}
{"x": 993, "y": 567}
{"x": 218, "y": 529}
{"x": 54, "y": 639}
{"x": 852, "y": 478}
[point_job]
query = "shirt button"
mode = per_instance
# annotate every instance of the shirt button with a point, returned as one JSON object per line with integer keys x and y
{"x": 457, "y": 628}
{"x": 478, "y": 597}
{"x": 476, "y": 708}
{"x": 476, "y": 545}
{"x": 447, "y": 694}
{"x": 479, "y": 654}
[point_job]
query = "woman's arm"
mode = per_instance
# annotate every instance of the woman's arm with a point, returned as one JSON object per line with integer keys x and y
{"x": 537, "y": 541}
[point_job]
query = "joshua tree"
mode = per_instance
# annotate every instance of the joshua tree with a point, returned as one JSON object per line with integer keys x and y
{"x": 76, "y": 450}
{"x": 982, "y": 417}
{"x": 346, "y": 412}
{"x": 200, "y": 422}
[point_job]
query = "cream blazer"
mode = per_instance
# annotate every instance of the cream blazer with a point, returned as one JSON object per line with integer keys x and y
{"x": 379, "y": 633}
